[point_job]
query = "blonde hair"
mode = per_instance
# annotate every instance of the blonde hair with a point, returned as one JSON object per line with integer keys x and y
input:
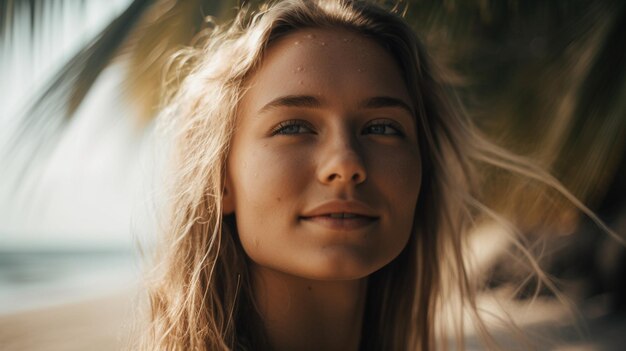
{"x": 200, "y": 298}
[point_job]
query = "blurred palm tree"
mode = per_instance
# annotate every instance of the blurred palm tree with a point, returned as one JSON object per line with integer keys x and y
{"x": 545, "y": 79}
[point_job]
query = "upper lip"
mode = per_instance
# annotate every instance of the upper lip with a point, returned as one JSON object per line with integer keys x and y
{"x": 340, "y": 206}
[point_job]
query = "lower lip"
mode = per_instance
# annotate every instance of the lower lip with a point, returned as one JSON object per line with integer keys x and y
{"x": 341, "y": 223}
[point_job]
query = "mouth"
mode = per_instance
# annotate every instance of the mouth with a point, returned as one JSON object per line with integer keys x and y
{"x": 341, "y": 220}
{"x": 341, "y": 215}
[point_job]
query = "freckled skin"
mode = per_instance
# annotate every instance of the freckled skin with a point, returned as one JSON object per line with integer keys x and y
{"x": 273, "y": 179}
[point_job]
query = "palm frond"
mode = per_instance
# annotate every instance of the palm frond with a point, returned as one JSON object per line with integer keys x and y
{"x": 43, "y": 122}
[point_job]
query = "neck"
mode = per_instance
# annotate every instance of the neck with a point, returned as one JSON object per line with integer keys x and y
{"x": 303, "y": 314}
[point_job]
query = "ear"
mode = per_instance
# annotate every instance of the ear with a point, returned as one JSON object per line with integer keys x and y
{"x": 228, "y": 201}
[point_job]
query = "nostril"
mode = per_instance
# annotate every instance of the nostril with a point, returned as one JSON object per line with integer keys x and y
{"x": 343, "y": 168}
{"x": 356, "y": 177}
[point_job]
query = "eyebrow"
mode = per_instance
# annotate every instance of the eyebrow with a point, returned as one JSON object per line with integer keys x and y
{"x": 386, "y": 101}
{"x": 292, "y": 101}
{"x": 308, "y": 101}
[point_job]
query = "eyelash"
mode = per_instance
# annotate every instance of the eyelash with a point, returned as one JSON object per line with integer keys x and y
{"x": 387, "y": 123}
{"x": 283, "y": 126}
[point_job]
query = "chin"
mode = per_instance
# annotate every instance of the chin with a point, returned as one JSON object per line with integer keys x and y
{"x": 341, "y": 266}
{"x": 338, "y": 263}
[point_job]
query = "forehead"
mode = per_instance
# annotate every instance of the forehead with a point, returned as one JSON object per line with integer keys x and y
{"x": 312, "y": 42}
{"x": 329, "y": 62}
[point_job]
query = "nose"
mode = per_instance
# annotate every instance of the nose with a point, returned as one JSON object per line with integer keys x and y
{"x": 342, "y": 163}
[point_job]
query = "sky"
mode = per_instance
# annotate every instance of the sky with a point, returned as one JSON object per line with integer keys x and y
{"x": 86, "y": 193}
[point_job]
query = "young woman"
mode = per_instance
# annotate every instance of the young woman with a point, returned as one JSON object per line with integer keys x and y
{"x": 323, "y": 189}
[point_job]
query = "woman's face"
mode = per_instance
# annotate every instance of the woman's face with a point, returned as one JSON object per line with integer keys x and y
{"x": 324, "y": 171}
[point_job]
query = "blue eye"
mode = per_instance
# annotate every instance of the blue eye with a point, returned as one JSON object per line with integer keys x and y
{"x": 383, "y": 127}
{"x": 291, "y": 127}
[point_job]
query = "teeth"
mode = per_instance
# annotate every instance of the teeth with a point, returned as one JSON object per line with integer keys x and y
{"x": 342, "y": 215}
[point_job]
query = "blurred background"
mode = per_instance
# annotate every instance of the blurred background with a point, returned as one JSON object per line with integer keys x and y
{"x": 80, "y": 87}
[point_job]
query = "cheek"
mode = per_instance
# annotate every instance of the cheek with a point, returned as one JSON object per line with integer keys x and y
{"x": 399, "y": 174}
{"x": 410, "y": 179}
{"x": 266, "y": 177}
{"x": 267, "y": 186}
{"x": 399, "y": 180}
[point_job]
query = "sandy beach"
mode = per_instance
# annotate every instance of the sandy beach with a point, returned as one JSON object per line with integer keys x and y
{"x": 102, "y": 323}
{"x": 106, "y": 323}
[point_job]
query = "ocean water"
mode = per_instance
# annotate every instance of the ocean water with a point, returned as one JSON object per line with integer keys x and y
{"x": 32, "y": 279}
